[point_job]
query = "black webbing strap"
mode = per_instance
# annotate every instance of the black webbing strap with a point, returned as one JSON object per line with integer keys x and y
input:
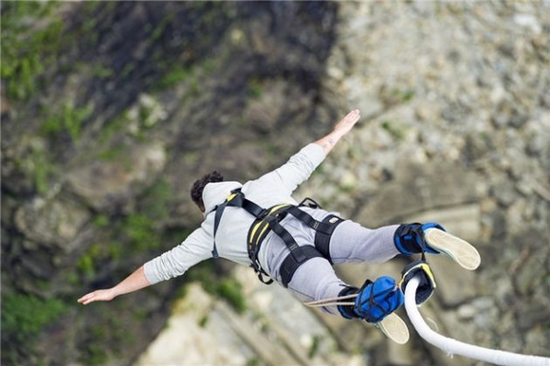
{"x": 324, "y": 229}
{"x": 218, "y": 216}
{"x": 322, "y": 238}
{"x": 291, "y": 263}
{"x": 298, "y": 254}
{"x": 235, "y": 199}
{"x": 268, "y": 219}
{"x": 257, "y": 233}
{"x": 261, "y": 227}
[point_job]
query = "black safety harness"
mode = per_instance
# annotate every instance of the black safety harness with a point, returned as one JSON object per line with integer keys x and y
{"x": 269, "y": 220}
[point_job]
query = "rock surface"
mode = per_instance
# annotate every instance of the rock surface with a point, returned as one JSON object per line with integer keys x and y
{"x": 131, "y": 102}
{"x": 453, "y": 98}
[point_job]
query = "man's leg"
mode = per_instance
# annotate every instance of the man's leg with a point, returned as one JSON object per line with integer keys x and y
{"x": 352, "y": 242}
{"x": 316, "y": 280}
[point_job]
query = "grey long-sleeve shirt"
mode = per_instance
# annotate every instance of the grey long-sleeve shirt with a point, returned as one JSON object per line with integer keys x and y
{"x": 271, "y": 189}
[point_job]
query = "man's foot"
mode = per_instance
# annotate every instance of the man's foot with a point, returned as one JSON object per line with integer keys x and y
{"x": 379, "y": 310}
{"x": 455, "y": 248}
{"x": 394, "y": 328}
{"x": 432, "y": 238}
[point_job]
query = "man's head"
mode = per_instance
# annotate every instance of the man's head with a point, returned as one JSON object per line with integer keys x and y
{"x": 198, "y": 187}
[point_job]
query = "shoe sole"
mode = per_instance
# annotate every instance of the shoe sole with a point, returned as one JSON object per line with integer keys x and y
{"x": 457, "y": 249}
{"x": 394, "y": 328}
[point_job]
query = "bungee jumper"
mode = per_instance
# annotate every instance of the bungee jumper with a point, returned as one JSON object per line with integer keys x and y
{"x": 259, "y": 224}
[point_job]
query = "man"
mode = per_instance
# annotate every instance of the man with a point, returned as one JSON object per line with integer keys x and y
{"x": 259, "y": 224}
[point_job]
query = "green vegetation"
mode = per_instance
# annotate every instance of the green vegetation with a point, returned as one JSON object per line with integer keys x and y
{"x": 227, "y": 288}
{"x": 176, "y": 75}
{"x": 161, "y": 27}
{"x": 134, "y": 233}
{"x": 112, "y": 127}
{"x": 137, "y": 232}
{"x": 102, "y": 72}
{"x": 203, "y": 321}
{"x": 101, "y": 221}
{"x": 156, "y": 199}
{"x": 254, "y": 361}
{"x": 314, "y": 349}
{"x": 36, "y": 164}
{"x": 26, "y": 50}
{"x": 36, "y": 49}
{"x": 141, "y": 232}
{"x": 23, "y": 317}
{"x": 86, "y": 262}
{"x": 396, "y": 95}
{"x": 407, "y": 95}
{"x": 109, "y": 330}
{"x": 254, "y": 87}
{"x": 117, "y": 153}
{"x": 40, "y": 169}
{"x": 69, "y": 120}
{"x": 127, "y": 70}
{"x": 393, "y": 130}
{"x": 129, "y": 235}
{"x": 94, "y": 354}
{"x": 231, "y": 290}
{"x": 135, "y": 123}
{"x": 141, "y": 227}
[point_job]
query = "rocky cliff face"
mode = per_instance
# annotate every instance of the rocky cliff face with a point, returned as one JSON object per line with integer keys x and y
{"x": 460, "y": 134}
{"x": 111, "y": 110}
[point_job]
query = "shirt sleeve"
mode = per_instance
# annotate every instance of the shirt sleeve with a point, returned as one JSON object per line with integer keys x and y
{"x": 175, "y": 262}
{"x": 297, "y": 169}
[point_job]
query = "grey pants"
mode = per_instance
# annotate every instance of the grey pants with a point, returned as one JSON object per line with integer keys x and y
{"x": 350, "y": 242}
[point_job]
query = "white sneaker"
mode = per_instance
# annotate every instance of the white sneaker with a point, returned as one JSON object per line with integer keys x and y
{"x": 394, "y": 328}
{"x": 455, "y": 248}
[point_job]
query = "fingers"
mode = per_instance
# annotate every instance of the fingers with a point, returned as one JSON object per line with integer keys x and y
{"x": 349, "y": 120}
{"x": 99, "y": 295}
{"x": 354, "y": 114}
{"x": 86, "y": 299}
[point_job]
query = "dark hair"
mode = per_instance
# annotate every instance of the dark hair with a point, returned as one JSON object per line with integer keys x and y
{"x": 198, "y": 186}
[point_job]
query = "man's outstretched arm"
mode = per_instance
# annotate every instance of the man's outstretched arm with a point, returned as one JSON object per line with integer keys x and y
{"x": 134, "y": 282}
{"x": 341, "y": 129}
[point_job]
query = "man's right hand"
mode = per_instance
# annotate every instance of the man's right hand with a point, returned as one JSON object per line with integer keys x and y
{"x": 346, "y": 124}
{"x": 340, "y": 129}
{"x": 98, "y": 295}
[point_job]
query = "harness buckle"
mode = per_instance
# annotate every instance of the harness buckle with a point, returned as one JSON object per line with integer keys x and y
{"x": 309, "y": 202}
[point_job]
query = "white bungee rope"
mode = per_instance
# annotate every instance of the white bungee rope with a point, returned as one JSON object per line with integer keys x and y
{"x": 452, "y": 346}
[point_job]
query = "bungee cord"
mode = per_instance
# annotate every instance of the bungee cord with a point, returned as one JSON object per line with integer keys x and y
{"x": 452, "y": 346}
{"x": 333, "y": 301}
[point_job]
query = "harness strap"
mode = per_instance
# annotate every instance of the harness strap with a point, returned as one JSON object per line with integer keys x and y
{"x": 268, "y": 220}
{"x": 324, "y": 229}
{"x": 298, "y": 254}
{"x": 256, "y": 234}
{"x": 217, "y": 218}
{"x": 235, "y": 199}
{"x": 294, "y": 260}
